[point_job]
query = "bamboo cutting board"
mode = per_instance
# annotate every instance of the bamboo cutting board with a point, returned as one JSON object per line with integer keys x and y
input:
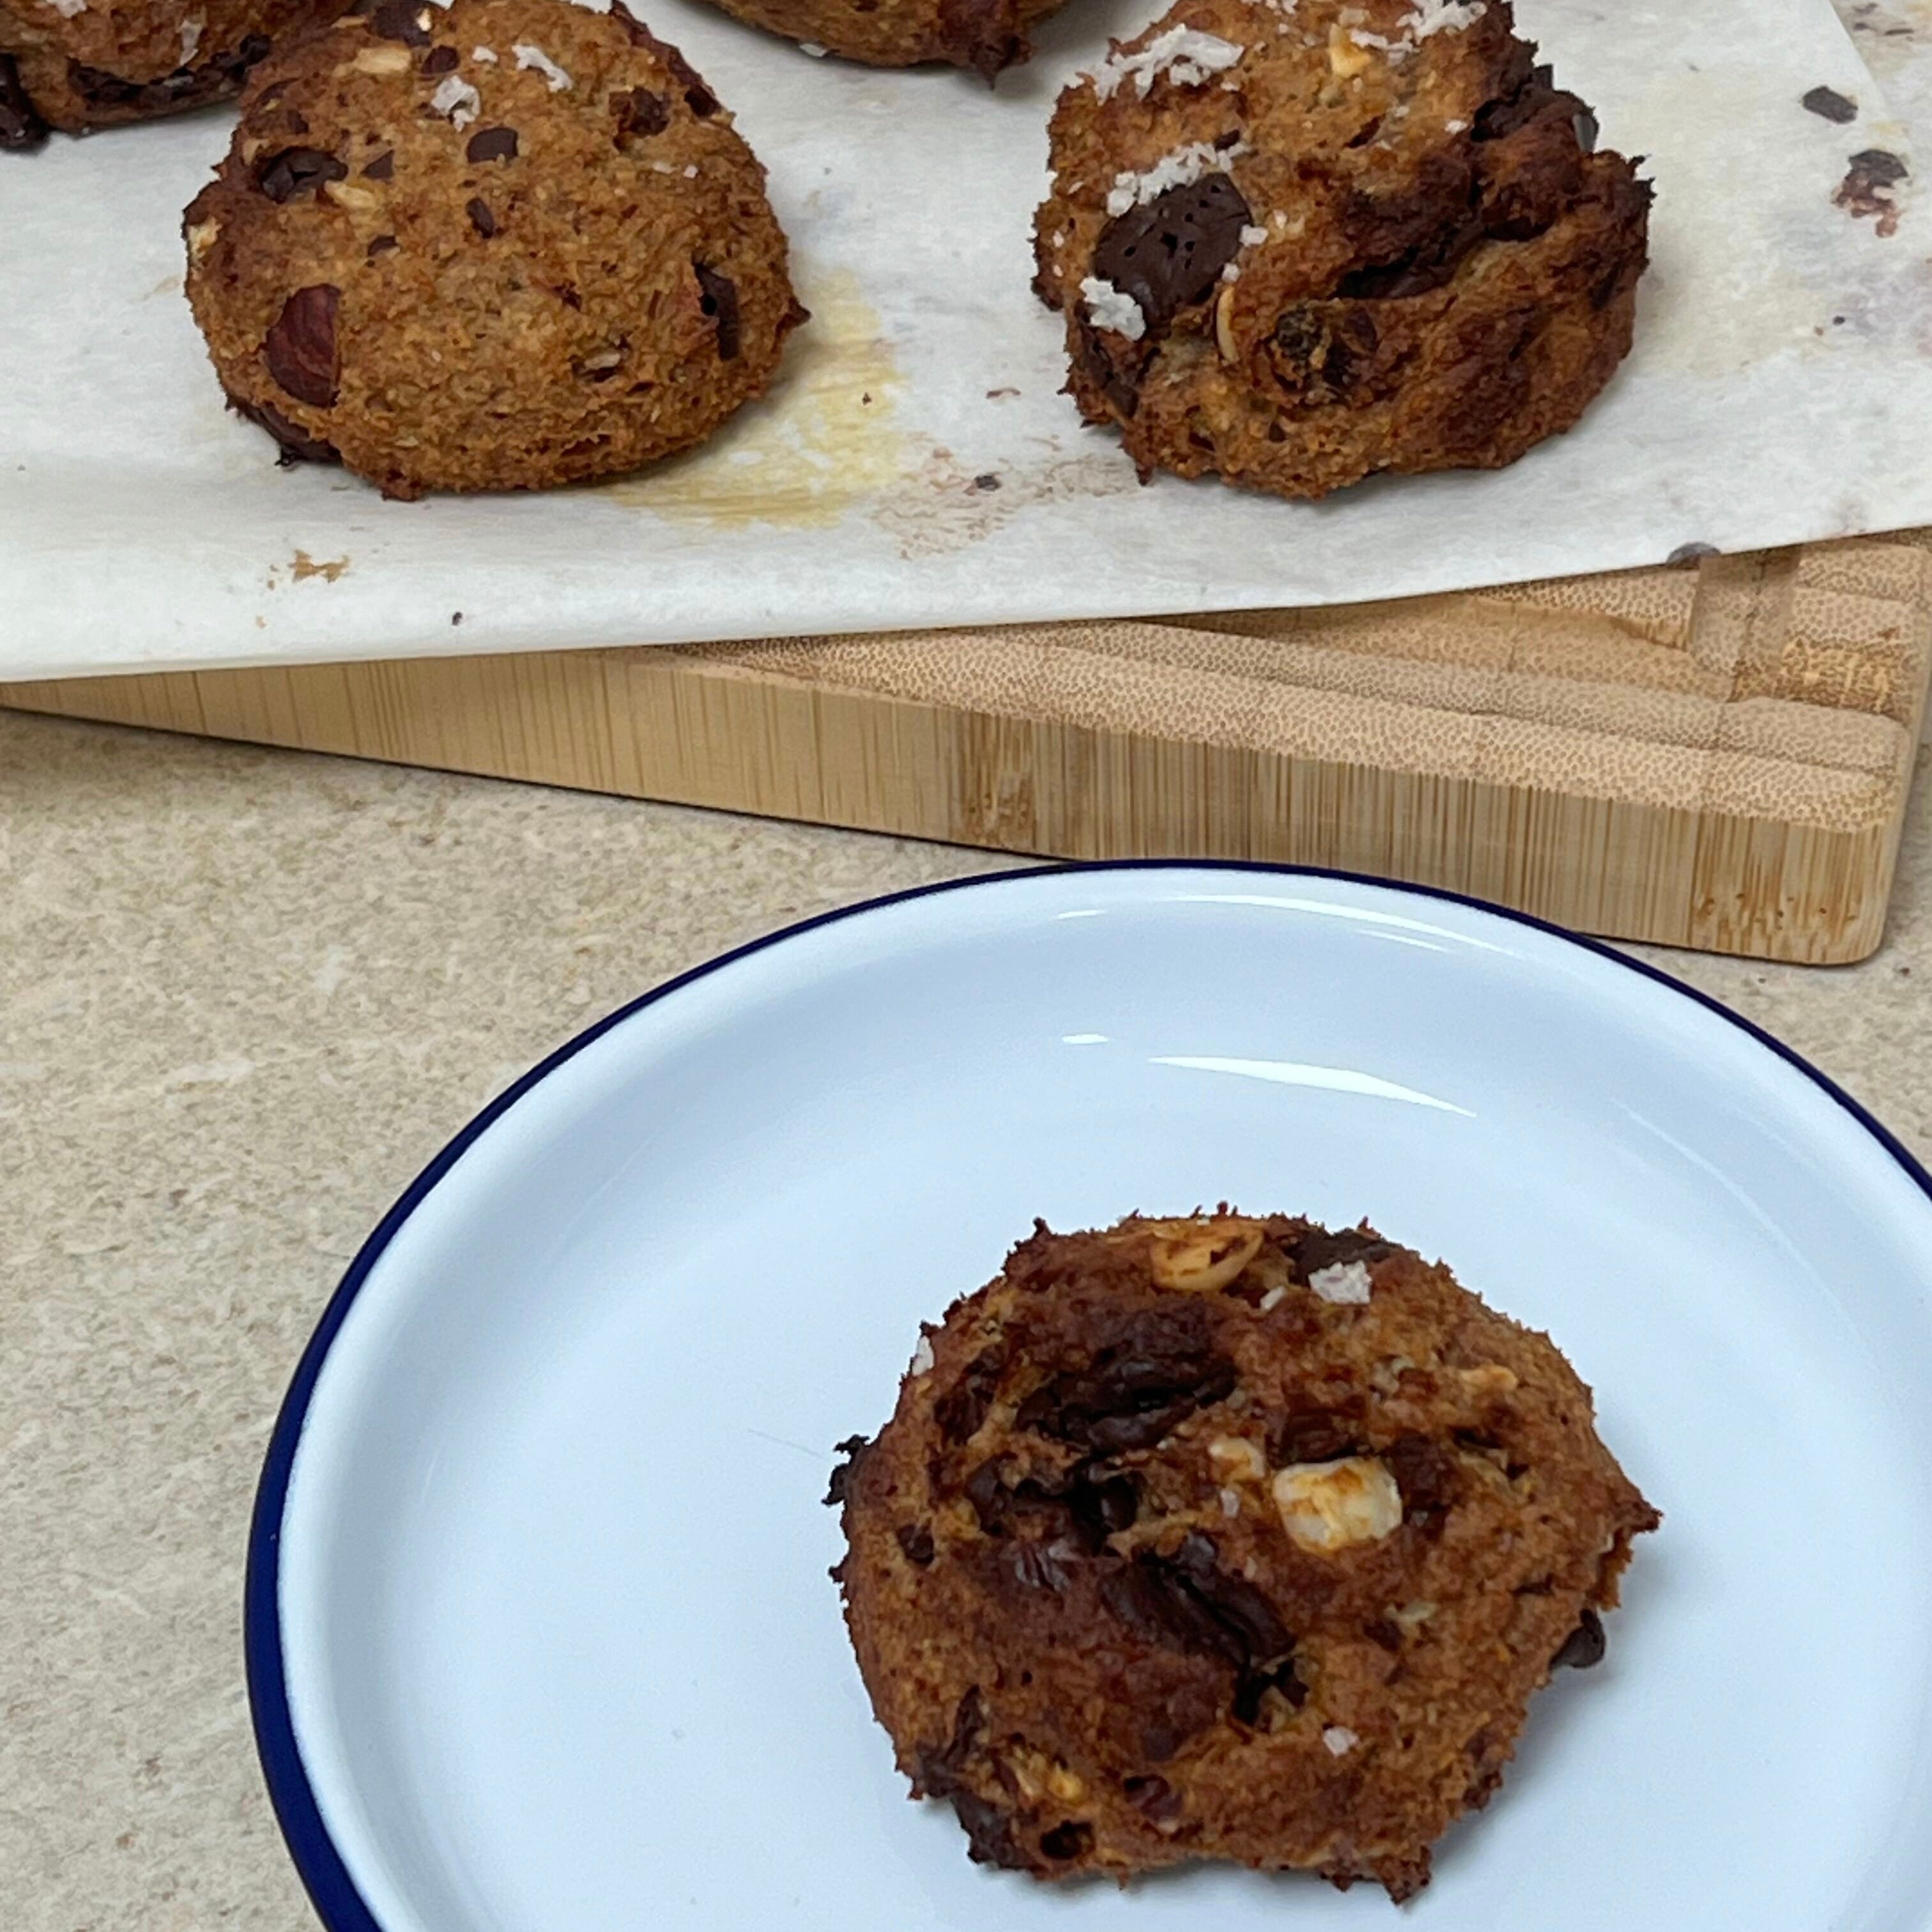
{"x": 1716, "y": 755}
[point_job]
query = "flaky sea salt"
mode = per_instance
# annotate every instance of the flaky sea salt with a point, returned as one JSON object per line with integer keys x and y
{"x": 812, "y": 48}
{"x": 68, "y": 9}
{"x": 455, "y": 98}
{"x": 1346, "y": 1282}
{"x": 1231, "y": 1502}
{"x": 1185, "y": 55}
{"x": 1252, "y": 237}
{"x": 1177, "y": 169}
{"x": 1110, "y": 307}
{"x": 530, "y": 56}
{"x": 1339, "y": 1739}
{"x": 1272, "y": 1300}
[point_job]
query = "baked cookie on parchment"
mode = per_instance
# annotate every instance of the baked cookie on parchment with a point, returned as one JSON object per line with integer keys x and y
{"x": 1298, "y": 242}
{"x": 493, "y": 246}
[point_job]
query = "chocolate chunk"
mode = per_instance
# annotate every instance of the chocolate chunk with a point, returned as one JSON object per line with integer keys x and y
{"x": 441, "y": 60}
{"x": 1425, "y": 1473}
{"x": 915, "y": 1540}
{"x": 1312, "y": 1435}
{"x": 300, "y": 347}
{"x": 1187, "y": 1602}
{"x": 1584, "y": 1647}
{"x": 854, "y": 1450}
{"x": 939, "y": 1768}
{"x": 962, "y": 1411}
{"x": 639, "y": 114}
{"x": 720, "y": 301}
{"x": 492, "y": 144}
{"x": 296, "y": 445}
{"x": 1160, "y": 1368}
{"x": 989, "y": 1833}
{"x": 698, "y": 97}
{"x": 1153, "y": 1797}
{"x": 986, "y": 35}
{"x": 382, "y": 168}
{"x": 21, "y": 126}
{"x": 480, "y": 219}
{"x": 290, "y": 172}
{"x": 1073, "y": 1840}
{"x": 1310, "y": 1252}
{"x": 1169, "y": 254}
{"x": 1384, "y": 1634}
{"x": 1584, "y": 125}
{"x": 220, "y": 74}
{"x": 1831, "y": 105}
{"x": 404, "y": 20}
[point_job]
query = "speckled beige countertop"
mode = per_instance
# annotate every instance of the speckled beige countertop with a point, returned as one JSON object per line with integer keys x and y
{"x": 244, "y": 995}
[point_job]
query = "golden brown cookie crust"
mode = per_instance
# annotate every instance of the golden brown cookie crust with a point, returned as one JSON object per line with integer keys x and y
{"x": 501, "y": 245}
{"x": 111, "y": 62}
{"x": 986, "y": 35}
{"x": 1228, "y": 1537}
{"x": 1297, "y": 245}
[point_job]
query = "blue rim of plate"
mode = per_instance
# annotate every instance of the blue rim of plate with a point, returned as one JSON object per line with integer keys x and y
{"x": 337, "y": 1904}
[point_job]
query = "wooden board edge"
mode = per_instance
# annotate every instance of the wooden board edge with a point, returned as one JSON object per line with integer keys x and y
{"x": 665, "y": 724}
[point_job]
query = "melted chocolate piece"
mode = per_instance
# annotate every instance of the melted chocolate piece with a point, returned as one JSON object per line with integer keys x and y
{"x": 1162, "y": 1367}
{"x": 639, "y": 114}
{"x": 21, "y": 126}
{"x": 300, "y": 347}
{"x": 492, "y": 144}
{"x": 186, "y": 87}
{"x": 290, "y": 172}
{"x": 480, "y": 219}
{"x": 1583, "y": 1648}
{"x": 1168, "y": 254}
{"x": 296, "y": 445}
{"x": 854, "y": 1450}
{"x": 404, "y": 20}
{"x": 1829, "y": 103}
{"x": 720, "y": 302}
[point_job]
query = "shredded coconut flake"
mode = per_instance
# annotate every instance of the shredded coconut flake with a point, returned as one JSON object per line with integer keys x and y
{"x": 487, "y": 55}
{"x": 1272, "y": 1300}
{"x": 921, "y": 1356}
{"x": 530, "y": 56}
{"x": 67, "y": 9}
{"x": 457, "y": 99}
{"x": 1178, "y": 169}
{"x": 1346, "y": 1282}
{"x": 1185, "y": 55}
{"x": 1454, "y": 126}
{"x": 1113, "y": 308}
{"x": 1339, "y": 1739}
{"x": 1231, "y": 1502}
{"x": 191, "y": 31}
{"x": 1443, "y": 16}
{"x": 1230, "y": 272}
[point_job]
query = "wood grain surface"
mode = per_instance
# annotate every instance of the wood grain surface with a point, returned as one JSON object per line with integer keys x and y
{"x": 1715, "y": 755}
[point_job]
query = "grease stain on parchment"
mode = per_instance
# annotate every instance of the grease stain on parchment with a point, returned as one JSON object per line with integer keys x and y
{"x": 818, "y": 443}
{"x": 948, "y": 505}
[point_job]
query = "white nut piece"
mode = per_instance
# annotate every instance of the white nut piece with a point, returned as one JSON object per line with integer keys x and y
{"x": 1198, "y": 1257}
{"x": 1224, "y": 324}
{"x": 1327, "y": 1506}
{"x": 386, "y": 59}
{"x": 1236, "y": 1459}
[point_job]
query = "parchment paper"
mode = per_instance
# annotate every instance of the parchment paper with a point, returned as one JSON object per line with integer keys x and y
{"x": 916, "y": 466}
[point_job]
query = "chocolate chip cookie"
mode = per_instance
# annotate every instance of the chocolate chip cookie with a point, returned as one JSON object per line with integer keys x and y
{"x": 984, "y": 34}
{"x": 494, "y": 246}
{"x": 78, "y": 64}
{"x": 1225, "y": 1537}
{"x": 1299, "y": 244}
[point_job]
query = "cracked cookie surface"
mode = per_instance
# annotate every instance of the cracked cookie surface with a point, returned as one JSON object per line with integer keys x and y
{"x": 1298, "y": 242}
{"x": 1228, "y": 1537}
{"x": 498, "y": 245}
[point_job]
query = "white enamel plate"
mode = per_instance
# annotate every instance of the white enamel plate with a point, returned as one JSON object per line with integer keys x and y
{"x": 540, "y": 1635}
